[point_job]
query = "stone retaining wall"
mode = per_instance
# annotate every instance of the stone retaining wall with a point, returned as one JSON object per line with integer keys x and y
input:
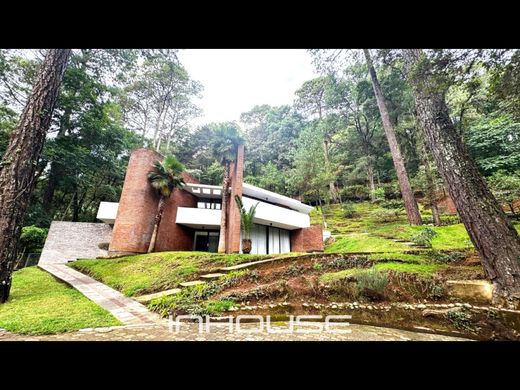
{"x": 72, "y": 240}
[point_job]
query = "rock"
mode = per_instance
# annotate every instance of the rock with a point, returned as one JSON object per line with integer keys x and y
{"x": 271, "y": 306}
{"x": 458, "y": 304}
{"x": 370, "y": 307}
{"x": 467, "y": 305}
{"x": 478, "y": 291}
{"x": 305, "y": 305}
{"x": 421, "y": 306}
{"x": 451, "y": 305}
{"x": 334, "y": 306}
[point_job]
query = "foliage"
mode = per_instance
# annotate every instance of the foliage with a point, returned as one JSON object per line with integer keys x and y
{"x": 372, "y": 283}
{"x": 32, "y": 238}
{"x": 378, "y": 194}
{"x": 348, "y": 210}
{"x": 167, "y": 175}
{"x": 39, "y": 304}
{"x": 392, "y": 205}
{"x": 424, "y": 237}
{"x": 386, "y": 215}
{"x": 494, "y": 142}
{"x": 246, "y": 217}
{"x": 506, "y": 187}
{"x": 356, "y": 192}
{"x": 461, "y": 320}
{"x": 225, "y": 138}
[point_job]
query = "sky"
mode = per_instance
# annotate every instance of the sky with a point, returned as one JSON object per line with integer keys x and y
{"x": 235, "y": 80}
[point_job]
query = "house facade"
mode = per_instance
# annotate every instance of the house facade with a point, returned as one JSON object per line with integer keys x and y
{"x": 191, "y": 219}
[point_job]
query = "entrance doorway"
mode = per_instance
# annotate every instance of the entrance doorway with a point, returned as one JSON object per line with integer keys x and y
{"x": 206, "y": 241}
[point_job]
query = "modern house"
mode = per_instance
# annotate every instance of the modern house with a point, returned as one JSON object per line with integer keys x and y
{"x": 191, "y": 220}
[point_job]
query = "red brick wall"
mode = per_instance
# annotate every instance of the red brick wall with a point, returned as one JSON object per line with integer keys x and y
{"x": 173, "y": 237}
{"x": 233, "y": 233}
{"x": 446, "y": 205}
{"x": 307, "y": 240}
{"x": 137, "y": 207}
{"x": 134, "y": 222}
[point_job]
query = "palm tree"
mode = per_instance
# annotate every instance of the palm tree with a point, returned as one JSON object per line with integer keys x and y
{"x": 165, "y": 179}
{"x": 225, "y": 141}
{"x": 246, "y": 221}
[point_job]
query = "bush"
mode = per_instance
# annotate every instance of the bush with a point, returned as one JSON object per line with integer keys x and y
{"x": 372, "y": 284}
{"x": 424, "y": 237}
{"x": 356, "y": 192}
{"x": 33, "y": 238}
{"x": 393, "y": 205}
{"x": 445, "y": 219}
{"x": 448, "y": 257}
{"x": 391, "y": 190}
{"x": 348, "y": 210}
{"x": 384, "y": 215}
{"x": 379, "y": 194}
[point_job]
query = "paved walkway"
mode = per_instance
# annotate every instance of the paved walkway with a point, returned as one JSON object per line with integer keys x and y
{"x": 190, "y": 332}
{"x": 126, "y": 310}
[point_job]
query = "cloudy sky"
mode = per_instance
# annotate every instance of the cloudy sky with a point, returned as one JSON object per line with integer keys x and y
{"x": 235, "y": 80}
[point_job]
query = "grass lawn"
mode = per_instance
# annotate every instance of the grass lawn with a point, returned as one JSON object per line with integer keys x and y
{"x": 360, "y": 242}
{"x": 148, "y": 273}
{"x": 350, "y": 233}
{"x": 39, "y": 304}
{"x": 425, "y": 270}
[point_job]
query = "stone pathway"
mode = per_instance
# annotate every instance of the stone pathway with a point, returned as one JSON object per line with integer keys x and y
{"x": 247, "y": 332}
{"x": 126, "y": 310}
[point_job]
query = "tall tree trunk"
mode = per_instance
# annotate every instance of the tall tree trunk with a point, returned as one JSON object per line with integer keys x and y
{"x": 494, "y": 237}
{"x": 223, "y": 214}
{"x": 322, "y": 212}
{"x": 371, "y": 183}
{"x": 157, "y": 222}
{"x": 75, "y": 207}
{"x": 18, "y": 165}
{"x": 410, "y": 204}
{"x": 431, "y": 192}
{"x": 332, "y": 188}
{"x": 431, "y": 189}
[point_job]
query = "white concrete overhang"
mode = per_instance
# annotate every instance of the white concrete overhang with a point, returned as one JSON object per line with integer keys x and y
{"x": 204, "y": 190}
{"x": 271, "y": 215}
{"x": 198, "y": 218}
{"x": 107, "y": 212}
{"x": 273, "y": 197}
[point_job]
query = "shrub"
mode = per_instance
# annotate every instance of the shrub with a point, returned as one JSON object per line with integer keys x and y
{"x": 460, "y": 320}
{"x": 356, "y": 192}
{"x": 348, "y": 262}
{"x": 317, "y": 266}
{"x": 348, "y": 210}
{"x": 384, "y": 215}
{"x": 445, "y": 219}
{"x": 379, "y": 194}
{"x": 424, "y": 237}
{"x": 295, "y": 270}
{"x": 391, "y": 190}
{"x": 372, "y": 284}
{"x": 33, "y": 238}
{"x": 447, "y": 257}
{"x": 393, "y": 205}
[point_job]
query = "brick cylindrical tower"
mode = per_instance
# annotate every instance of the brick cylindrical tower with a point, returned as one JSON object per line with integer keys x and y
{"x": 233, "y": 226}
{"x": 137, "y": 207}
